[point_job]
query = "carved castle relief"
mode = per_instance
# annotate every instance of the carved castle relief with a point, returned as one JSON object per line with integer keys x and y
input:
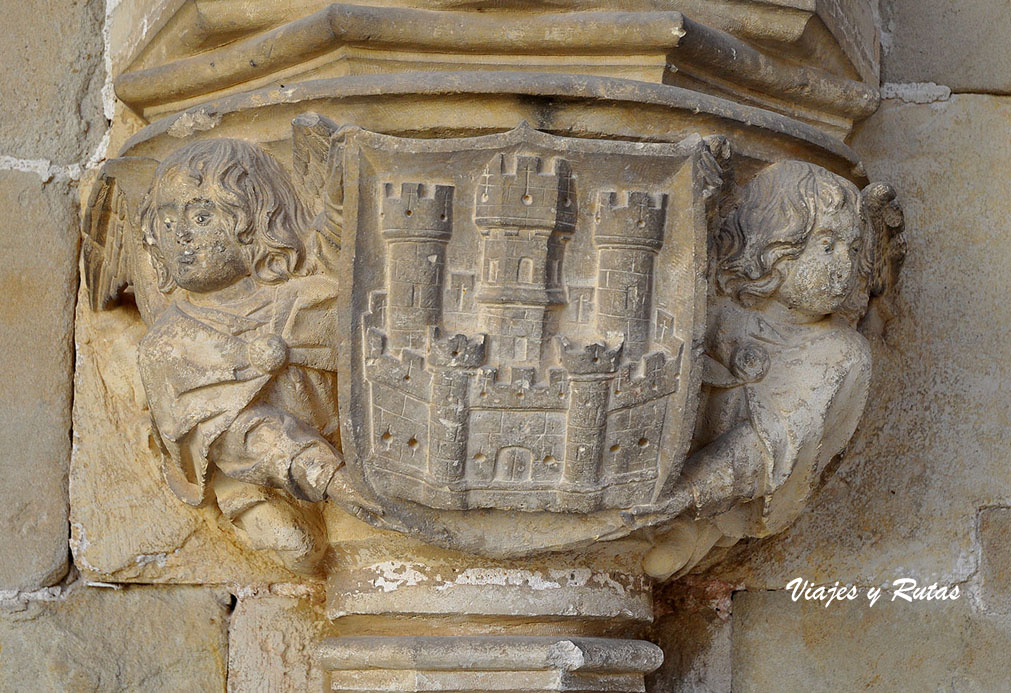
{"x": 518, "y": 416}
{"x": 516, "y": 355}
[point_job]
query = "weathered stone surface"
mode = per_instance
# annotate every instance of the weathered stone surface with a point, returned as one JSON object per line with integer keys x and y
{"x": 38, "y": 241}
{"x": 52, "y": 56}
{"x": 98, "y": 639}
{"x": 132, "y": 22}
{"x": 125, "y": 523}
{"x": 781, "y": 645}
{"x": 227, "y": 47}
{"x": 933, "y": 444}
{"x": 693, "y": 627}
{"x": 962, "y": 45}
{"x": 272, "y": 642}
{"x": 854, "y": 25}
{"x": 995, "y": 568}
{"x": 488, "y": 663}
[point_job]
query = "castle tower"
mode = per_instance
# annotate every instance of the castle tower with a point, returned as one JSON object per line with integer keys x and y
{"x": 525, "y": 215}
{"x": 451, "y": 360}
{"x": 628, "y": 234}
{"x": 590, "y": 370}
{"x": 417, "y": 226}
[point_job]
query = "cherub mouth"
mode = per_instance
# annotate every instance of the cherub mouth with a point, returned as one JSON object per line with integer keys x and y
{"x": 188, "y": 257}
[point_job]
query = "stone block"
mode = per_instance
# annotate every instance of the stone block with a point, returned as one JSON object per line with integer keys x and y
{"x": 38, "y": 241}
{"x": 995, "y": 568}
{"x": 99, "y": 639}
{"x": 786, "y": 646}
{"x": 52, "y": 105}
{"x": 933, "y": 444}
{"x": 272, "y": 642}
{"x": 959, "y": 44}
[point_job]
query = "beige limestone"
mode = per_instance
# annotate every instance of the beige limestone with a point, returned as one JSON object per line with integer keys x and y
{"x": 38, "y": 241}
{"x": 791, "y": 65}
{"x": 101, "y": 639}
{"x": 272, "y": 641}
{"x": 795, "y": 647}
{"x": 54, "y": 72}
{"x": 995, "y": 560}
{"x": 962, "y": 45}
{"x": 504, "y": 663}
{"x": 933, "y": 445}
{"x": 854, "y": 23}
{"x": 208, "y": 389}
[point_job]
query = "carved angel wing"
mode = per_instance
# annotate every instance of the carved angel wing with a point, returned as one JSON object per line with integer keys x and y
{"x": 318, "y": 157}
{"x": 114, "y": 257}
{"x": 888, "y": 249}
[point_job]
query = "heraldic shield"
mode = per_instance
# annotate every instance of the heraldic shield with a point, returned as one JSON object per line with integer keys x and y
{"x": 522, "y": 314}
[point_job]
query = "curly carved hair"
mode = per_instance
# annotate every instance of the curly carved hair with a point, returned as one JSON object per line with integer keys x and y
{"x": 772, "y": 222}
{"x": 253, "y": 188}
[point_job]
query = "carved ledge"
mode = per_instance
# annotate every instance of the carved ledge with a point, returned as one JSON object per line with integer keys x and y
{"x": 488, "y": 663}
{"x": 691, "y": 50}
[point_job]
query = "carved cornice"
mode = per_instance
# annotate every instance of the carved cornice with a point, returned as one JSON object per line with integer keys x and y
{"x": 342, "y": 40}
{"x": 575, "y": 105}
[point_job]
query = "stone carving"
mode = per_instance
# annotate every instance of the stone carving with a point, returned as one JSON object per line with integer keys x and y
{"x": 238, "y": 363}
{"x": 787, "y": 373}
{"x": 521, "y": 328}
{"x": 517, "y": 320}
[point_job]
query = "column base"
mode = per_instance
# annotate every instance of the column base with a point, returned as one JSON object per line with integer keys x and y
{"x": 487, "y": 663}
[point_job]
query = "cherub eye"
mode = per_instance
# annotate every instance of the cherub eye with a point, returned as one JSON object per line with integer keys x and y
{"x": 202, "y": 217}
{"x": 828, "y": 245}
{"x": 168, "y": 224}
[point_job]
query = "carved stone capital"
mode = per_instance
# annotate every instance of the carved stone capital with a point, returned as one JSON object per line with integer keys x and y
{"x": 531, "y": 289}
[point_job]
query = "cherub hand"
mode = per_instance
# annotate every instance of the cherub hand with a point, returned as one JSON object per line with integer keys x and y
{"x": 750, "y": 362}
{"x": 671, "y": 504}
{"x": 268, "y": 354}
{"x": 344, "y": 494}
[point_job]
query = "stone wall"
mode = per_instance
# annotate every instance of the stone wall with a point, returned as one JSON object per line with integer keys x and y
{"x": 923, "y": 492}
{"x": 58, "y": 632}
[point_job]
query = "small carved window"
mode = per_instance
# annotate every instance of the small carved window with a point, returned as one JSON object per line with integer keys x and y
{"x": 525, "y": 274}
{"x": 493, "y": 270}
{"x": 520, "y": 349}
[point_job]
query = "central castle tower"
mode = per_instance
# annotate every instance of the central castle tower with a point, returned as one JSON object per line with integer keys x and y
{"x": 526, "y": 215}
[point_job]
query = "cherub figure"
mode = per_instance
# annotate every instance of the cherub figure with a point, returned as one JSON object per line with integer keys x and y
{"x": 787, "y": 374}
{"x": 239, "y": 369}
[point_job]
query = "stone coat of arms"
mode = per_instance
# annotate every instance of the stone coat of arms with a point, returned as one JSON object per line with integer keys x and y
{"x": 520, "y": 318}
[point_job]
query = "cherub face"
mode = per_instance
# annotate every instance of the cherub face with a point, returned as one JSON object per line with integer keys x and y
{"x": 196, "y": 236}
{"x": 821, "y": 278}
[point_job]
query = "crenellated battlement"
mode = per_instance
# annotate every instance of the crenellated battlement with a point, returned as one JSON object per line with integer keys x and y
{"x": 630, "y": 219}
{"x": 420, "y": 211}
{"x": 456, "y": 351}
{"x": 590, "y": 359}
{"x": 517, "y": 192}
